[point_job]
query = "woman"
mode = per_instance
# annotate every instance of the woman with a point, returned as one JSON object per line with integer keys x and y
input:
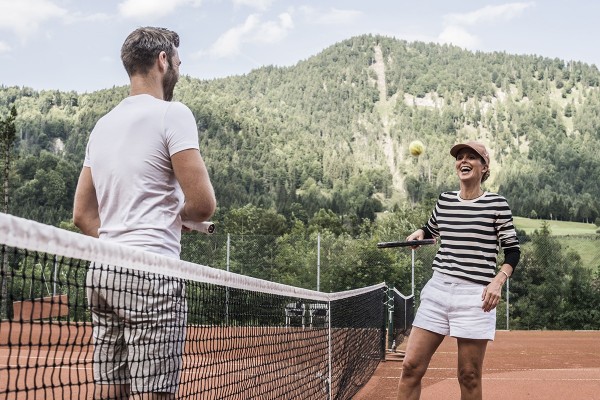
{"x": 460, "y": 299}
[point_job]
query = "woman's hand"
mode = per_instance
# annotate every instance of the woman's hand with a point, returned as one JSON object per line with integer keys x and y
{"x": 493, "y": 292}
{"x": 419, "y": 234}
{"x": 491, "y": 295}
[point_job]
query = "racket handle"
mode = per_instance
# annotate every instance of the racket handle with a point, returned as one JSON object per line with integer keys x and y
{"x": 204, "y": 227}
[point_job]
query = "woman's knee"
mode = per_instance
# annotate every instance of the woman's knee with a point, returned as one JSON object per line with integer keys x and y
{"x": 413, "y": 369}
{"x": 469, "y": 378}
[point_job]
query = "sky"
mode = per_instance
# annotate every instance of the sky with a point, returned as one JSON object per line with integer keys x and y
{"x": 75, "y": 44}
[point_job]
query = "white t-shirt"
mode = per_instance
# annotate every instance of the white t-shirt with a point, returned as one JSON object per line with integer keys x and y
{"x": 129, "y": 153}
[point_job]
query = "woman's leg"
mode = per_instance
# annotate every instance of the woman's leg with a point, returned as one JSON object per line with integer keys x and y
{"x": 420, "y": 348}
{"x": 470, "y": 367}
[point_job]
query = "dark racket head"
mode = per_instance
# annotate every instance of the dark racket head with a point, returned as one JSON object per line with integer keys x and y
{"x": 406, "y": 243}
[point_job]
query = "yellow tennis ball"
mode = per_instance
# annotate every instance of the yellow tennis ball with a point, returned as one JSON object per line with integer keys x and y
{"x": 416, "y": 148}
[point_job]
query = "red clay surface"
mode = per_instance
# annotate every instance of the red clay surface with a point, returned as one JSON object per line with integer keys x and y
{"x": 548, "y": 365}
{"x": 541, "y": 365}
{"x": 53, "y": 360}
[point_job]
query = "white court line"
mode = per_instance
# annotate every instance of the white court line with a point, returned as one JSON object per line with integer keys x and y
{"x": 518, "y": 369}
{"x": 498, "y": 378}
{"x": 38, "y": 367}
{"x": 552, "y": 379}
{"x": 187, "y": 371}
{"x": 541, "y": 379}
{"x": 20, "y": 356}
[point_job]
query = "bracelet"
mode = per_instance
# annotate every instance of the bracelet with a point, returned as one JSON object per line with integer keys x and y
{"x": 507, "y": 277}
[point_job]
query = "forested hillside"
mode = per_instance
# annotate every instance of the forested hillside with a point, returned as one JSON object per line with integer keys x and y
{"x": 332, "y": 132}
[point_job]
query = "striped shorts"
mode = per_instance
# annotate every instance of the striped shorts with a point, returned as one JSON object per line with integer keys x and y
{"x": 139, "y": 322}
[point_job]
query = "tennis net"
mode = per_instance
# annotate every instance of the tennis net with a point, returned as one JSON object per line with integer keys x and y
{"x": 83, "y": 318}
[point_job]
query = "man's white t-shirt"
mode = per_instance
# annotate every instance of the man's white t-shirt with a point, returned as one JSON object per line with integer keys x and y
{"x": 129, "y": 153}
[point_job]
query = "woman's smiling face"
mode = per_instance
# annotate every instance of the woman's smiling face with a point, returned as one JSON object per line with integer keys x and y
{"x": 469, "y": 165}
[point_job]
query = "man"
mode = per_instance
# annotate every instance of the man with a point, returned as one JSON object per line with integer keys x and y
{"x": 142, "y": 176}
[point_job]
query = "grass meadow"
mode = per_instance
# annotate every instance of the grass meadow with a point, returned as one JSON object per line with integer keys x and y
{"x": 557, "y": 228}
{"x": 579, "y": 237}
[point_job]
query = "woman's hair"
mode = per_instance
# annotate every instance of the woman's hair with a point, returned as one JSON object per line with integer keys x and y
{"x": 142, "y": 46}
{"x": 486, "y": 175}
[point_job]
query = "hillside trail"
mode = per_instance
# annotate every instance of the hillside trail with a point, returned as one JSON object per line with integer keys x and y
{"x": 383, "y": 106}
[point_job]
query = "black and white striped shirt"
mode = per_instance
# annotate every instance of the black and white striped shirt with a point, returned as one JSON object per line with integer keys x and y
{"x": 471, "y": 232}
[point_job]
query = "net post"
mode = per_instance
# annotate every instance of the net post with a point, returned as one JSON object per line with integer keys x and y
{"x": 390, "y": 308}
{"x": 383, "y": 327}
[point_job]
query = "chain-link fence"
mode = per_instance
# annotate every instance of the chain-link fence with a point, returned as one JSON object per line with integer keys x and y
{"x": 552, "y": 267}
{"x": 318, "y": 262}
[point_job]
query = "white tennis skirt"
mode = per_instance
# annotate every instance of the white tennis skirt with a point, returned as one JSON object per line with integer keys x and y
{"x": 452, "y": 306}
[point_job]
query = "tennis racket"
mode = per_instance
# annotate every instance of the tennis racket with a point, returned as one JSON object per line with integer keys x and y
{"x": 405, "y": 243}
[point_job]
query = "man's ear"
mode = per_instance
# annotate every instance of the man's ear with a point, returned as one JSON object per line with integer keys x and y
{"x": 163, "y": 62}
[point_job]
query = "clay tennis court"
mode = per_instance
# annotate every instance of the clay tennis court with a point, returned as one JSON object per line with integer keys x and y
{"x": 52, "y": 360}
{"x": 544, "y": 365}
{"x": 549, "y": 365}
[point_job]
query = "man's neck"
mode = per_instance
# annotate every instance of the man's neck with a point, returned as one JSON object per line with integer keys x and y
{"x": 147, "y": 84}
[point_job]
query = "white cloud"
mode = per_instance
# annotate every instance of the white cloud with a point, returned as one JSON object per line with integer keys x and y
{"x": 228, "y": 44}
{"x": 24, "y": 17}
{"x": 455, "y": 30}
{"x": 253, "y": 30}
{"x": 488, "y": 14}
{"x": 458, "y": 36}
{"x": 79, "y": 17}
{"x": 4, "y": 48}
{"x": 273, "y": 31}
{"x": 333, "y": 16}
{"x": 152, "y": 9}
{"x": 262, "y": 5}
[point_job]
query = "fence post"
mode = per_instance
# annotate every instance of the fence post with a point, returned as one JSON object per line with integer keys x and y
{"x": 318, "y": 262}
{"x": 4, "y": 276}
{"x": 227, "y": 259}
{"x": 412, "y": 272}
{"x": 507, "y": 302}
{"x": 227, "y": 292}
{"x": 54, "y": 275}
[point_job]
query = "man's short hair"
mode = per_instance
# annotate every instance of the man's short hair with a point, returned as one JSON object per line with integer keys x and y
{"x": 142, "y": 46}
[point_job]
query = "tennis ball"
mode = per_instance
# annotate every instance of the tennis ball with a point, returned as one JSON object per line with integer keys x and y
{"x": 416, "y": 148}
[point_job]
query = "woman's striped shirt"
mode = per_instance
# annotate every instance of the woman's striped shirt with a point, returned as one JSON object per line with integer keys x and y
{"x": 471, "y": 232}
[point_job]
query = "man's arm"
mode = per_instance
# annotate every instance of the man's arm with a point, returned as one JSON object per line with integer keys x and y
{"x": 192, "y": 175}
{"x": 85, "y": 206}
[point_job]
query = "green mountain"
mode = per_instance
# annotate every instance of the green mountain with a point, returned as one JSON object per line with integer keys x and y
{"x": 333, "y": 131}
